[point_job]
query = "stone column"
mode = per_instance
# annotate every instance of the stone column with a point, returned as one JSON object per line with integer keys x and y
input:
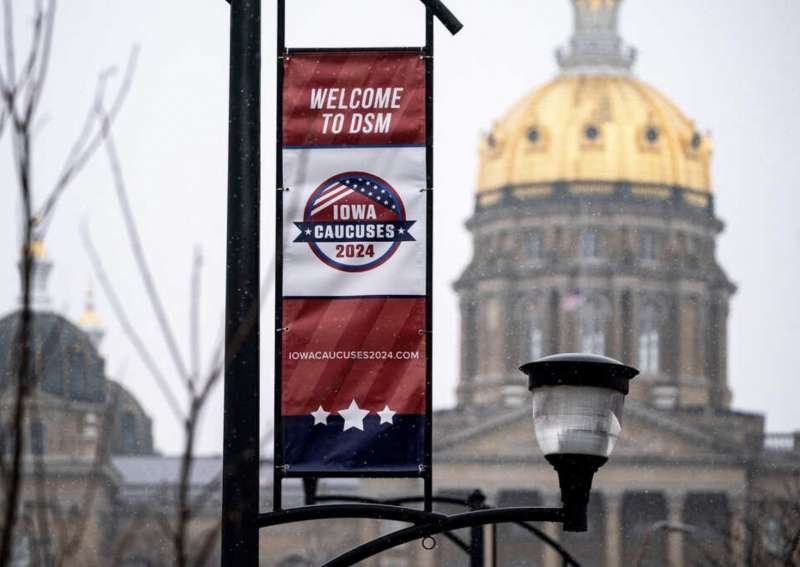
{"x": 613, "y": 504}
{"x": 566, "y": 327}
{"x": 674, "y": 536}
{"x": 469, "y": 341}
{"x": 738, "y": 530}
{"x": 616, "y": 324}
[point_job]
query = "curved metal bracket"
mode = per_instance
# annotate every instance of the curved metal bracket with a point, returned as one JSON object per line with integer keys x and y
{"x": 454, "y": 539}
{"x": 557, "y": 547}
{"x": 350, "y": 511}
{"x": 425, "y": 524}
{"x": 448, "y": 523}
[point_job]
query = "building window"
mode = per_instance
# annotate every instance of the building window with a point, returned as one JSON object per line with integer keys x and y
{"x": 640, "y": 512}
{"x": 22, "y": 550}
{"x": 647, "y": 246}
{"x": 592, "y": 319}
{"x": 533, "y": 245}
{"x": 649, "y": 340}
{"x": 774, "y": 541}
{"x": 590, "y": 243}
{"x": 90, "y": 426}
{"x": 129, "y": 432}
{"x": 38, "y": 438}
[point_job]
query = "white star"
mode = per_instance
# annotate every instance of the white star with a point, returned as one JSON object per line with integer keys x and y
{"x": 401, "y": 231}
{"x": 353, "y": 416}
{"x": 308, "y": 231}
{"x": 386, "y": 415}
{"x": 320, "y": 416}
{"x": 393, "y": 207}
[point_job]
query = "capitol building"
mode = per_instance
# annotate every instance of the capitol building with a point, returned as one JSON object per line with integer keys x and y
{"x": 594, "y": 230}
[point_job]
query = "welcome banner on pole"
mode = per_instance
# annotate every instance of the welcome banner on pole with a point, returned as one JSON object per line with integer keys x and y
{"x": 353, "y": 385}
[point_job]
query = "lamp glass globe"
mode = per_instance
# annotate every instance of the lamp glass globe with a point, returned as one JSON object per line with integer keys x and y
{"x": 577, "y": 420}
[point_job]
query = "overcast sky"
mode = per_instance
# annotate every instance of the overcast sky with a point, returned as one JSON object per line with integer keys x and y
{"x": 730, "y": 65}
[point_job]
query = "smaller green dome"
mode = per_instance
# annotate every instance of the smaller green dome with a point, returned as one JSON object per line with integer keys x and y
{"x": 65, "y": 363}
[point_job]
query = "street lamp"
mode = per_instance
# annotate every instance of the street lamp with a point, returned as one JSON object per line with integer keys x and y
{"x": 577, "y": 417}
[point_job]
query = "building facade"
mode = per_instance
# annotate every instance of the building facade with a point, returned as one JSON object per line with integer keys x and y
{"x": 594, "y": 230}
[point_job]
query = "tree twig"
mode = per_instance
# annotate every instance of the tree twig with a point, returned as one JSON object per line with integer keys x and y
{"x": 90, "y": 138}
{"x": 194, "y": 320}
{"x": 127, "y": 327}
{"x": 138, "y": 250}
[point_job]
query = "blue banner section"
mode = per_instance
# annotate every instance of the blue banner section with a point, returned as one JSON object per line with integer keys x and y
{"x": 355, "y": 231}
{"x": 397, "y": 446}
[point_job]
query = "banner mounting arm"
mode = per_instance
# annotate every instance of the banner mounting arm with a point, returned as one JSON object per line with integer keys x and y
{"x": 442, "y": 13}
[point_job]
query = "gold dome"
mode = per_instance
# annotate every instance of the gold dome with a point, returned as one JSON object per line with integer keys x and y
{"x": 595, "y": 125}
{"x": 595, "y": 128}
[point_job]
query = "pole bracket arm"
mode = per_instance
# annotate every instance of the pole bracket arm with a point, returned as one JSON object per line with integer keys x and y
{"x": 444, "y": 15}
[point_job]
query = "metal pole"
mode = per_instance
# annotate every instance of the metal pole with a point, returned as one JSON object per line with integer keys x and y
{"x": 277, "y": 468}
{"x": 240, "y": 436}
{"x": 476, "y": 501}
{"x": 428, "y": 53}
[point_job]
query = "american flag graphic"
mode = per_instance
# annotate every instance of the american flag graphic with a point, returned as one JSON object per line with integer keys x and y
{"x": 361, "y": 185}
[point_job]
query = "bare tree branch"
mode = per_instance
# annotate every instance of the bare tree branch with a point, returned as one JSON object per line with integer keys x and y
{"x": 90, "y": 137}
{"x": 20, "y": 369}
{"x": 8, "y": 33}
{"x": 138, "y": 251}
{"x": 21, "y": 93}
{"x": 42, "y": 62}
{"x": 127, "y": 327}
{"x": 194, "y": 319}
{"x": 33, "y": 52}
{"x": 3, "y": 117}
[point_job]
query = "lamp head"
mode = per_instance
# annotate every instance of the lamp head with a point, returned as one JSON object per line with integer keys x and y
{"x": 577, "y": 402}
{"x": 577, "y": 416}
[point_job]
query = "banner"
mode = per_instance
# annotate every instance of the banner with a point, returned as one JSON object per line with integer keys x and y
{"x": 353, "y": 366}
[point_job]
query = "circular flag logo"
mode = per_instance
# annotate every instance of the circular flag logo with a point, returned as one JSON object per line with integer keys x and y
{"x": 354, "y": 222}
